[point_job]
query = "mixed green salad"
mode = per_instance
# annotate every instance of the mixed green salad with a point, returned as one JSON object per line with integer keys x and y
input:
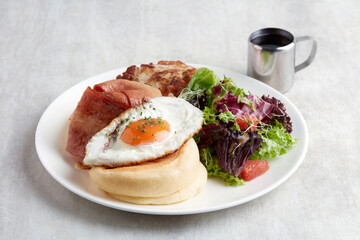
{"x": 241, "y": 131}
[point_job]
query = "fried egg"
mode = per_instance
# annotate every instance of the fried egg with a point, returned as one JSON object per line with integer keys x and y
{"x": 146, "y": 132}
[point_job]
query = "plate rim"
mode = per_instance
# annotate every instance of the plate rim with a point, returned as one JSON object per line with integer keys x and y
{"x": 134, "y": 208}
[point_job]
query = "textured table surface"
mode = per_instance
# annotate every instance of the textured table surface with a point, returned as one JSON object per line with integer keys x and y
{"x": 48, "y": 46}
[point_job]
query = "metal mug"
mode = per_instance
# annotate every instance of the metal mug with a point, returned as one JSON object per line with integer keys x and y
{"x": 271, "y": 57}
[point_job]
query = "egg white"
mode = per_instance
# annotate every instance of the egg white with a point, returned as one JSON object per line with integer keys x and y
{"x": 107, "y": 149}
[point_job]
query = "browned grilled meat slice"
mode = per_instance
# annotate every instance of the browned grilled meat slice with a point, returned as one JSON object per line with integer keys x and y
{"x": 170, "y": 77}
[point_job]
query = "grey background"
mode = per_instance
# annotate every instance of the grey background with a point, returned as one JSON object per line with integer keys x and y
{"x": 48, "y": 46}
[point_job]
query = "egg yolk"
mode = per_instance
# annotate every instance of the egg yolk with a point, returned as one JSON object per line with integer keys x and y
{"x": 146, "y": 131}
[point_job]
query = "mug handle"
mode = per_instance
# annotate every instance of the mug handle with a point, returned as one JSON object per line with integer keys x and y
{"x": 312, "y": 53}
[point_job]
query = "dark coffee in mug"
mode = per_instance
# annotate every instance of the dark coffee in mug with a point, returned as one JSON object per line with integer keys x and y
{"x": 272, "y": 41}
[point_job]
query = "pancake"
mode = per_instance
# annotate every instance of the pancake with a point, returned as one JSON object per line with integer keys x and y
{"x": 156, "y": 179}
{"x": 186, "y": 193}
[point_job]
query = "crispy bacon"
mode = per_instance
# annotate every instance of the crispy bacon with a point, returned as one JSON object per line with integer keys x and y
{"x": 99, "y": 106}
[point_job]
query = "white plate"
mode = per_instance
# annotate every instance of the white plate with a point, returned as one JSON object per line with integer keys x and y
{"x": 51, "y": 135}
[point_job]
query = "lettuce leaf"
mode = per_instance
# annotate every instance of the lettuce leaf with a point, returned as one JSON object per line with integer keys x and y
{"x": 276, "y": 142}
{"x": 245, "y": 106}
{"x": 209, "y": 160}
{"x": 228, "y": 85}
{"x": 234, "y": 149}
{"x": 199, "y": 91}
{"x": 203, "y": 79}
{"x": 210, "y": 115}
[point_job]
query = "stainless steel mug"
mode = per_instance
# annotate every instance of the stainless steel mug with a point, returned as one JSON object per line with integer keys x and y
{"x": 271, "y": 57}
